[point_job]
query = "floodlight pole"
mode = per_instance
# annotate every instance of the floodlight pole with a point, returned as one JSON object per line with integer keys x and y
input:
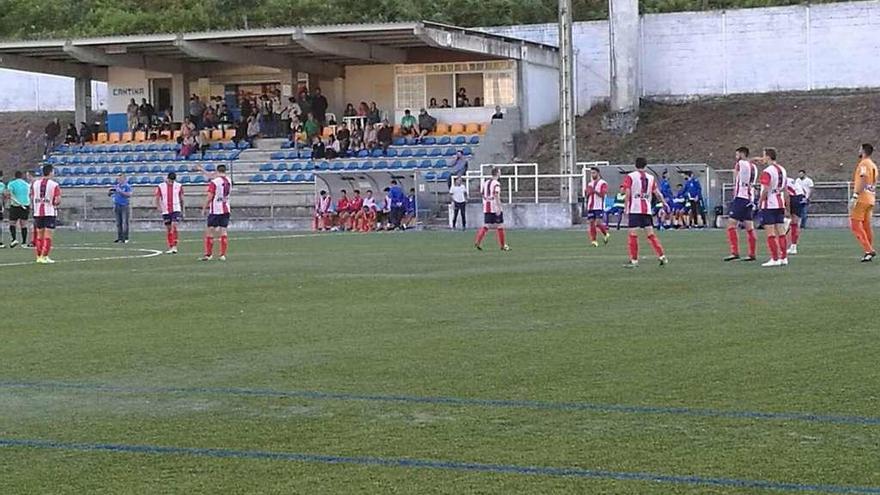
{"x": 567, "y": 138}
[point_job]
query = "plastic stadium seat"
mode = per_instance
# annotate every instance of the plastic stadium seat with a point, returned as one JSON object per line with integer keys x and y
{"x": 426, "y": 164}
{"x": 450, "y": 152}
{"x": 435, "y": 152}
{"x": 139, "y": 148}
{"x": 178, "y": 158}
{"x": 229, "y": 146}
{"x": 143, "y": 169}
{"x": 182, "y": 169}
{"x": 116, "y": 170}
{"x": 444, "y": 141}
{"x": 106, "y": 181}
{"x": 156, "y": 169}
{"x": 130, "y": 169}
{"x": 429, "y": 176}
{"x": 210, "y": 167}
{"x": 280, "y": 167}
{"x": 167, "y": 147}
{"x": 185, "y": 179}
{"x": 391, "y": 153}
{"x": 243, "y": 145}
{"x": 467, "y": 151}
{"x": 68, "y": 182}
{"x": 337, "y": 166}
{"x": 306, "y": 154}
{"x": 290, "y": 155}
{"x": 399, "y": 141}
{"x": 93, "y": 182}
{"x": 127, "y": 158}
{"x": 157, "y": 180}
{"x": 367, "y": 165}
{"x": 216, "y": 135}
{"x": 116, "y": 159}
{"x": 91, "y": 171}
{"x": 429, "y": 141}
{"x": 80, "y": 182}
{"x": 411, "y": 164}
{"x": 324, "y": 165}
{"x": 78, "y": 171}
{"x": 396, "y": 165}
{"x": 265, "y": 167}
{"x": 101, "y": 137}
{"x": 65, "y": 171}
{"x": 285, "y": 178}
{"x": 215, "y": 146}
{"x": 113, "y": 148}
{"x": 445, "y": 175}
{"x": 104, "y": 170}
{"x": 405, "y": 153}
{"x": 113, "y": 137}
{"x": 410, "y": 141}
{"x": 299, "y": 178}
{"x": 309, "y": 178}
{"x": 380, "y": 165}
{"x": 286, "y": 145}
{"x": 377, "y": 153}
{"x": 271, "y": 178}
{"x": 193, "y": 158}
{"x": 459, "y": 140}
{"x": 257, "y": 178}
{"x": 296, "y": 166}
{"x": 169, "y": 168}
{"x": 154, "y": 147}
{"x": 441, "y": 163}
{"x": 199, "y": 179}
{"x": 352, "y": 166}
{"x": 363, "y": 154}
{"x": 472, "y": 128}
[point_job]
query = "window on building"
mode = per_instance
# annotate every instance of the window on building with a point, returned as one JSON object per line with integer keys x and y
{"x": 441, "y": 90}
{"x": 410, "y": 91}
{"x": 498, "y": 89}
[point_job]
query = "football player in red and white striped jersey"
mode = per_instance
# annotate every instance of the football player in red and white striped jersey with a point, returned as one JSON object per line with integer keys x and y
{"x": 45, "y": 199}
{"x": 594, "y": 206}
{"x": 741, "y": 208}
{"x": 641, "y": 189}
{"x": 217, "y": 208}
{"x": 493, "y": 217}
{"x": 774, "y": 207}
{"x": 169, "y": 202}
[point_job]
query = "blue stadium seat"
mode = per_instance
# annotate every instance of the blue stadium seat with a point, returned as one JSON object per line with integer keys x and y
{"x": 444, "y": 141}
{"x": 139, "y": 148}
{"x": 367, "y": 165}
{"x": 116, "y": 159}
{"x": 106, "y": 181}
{"x": 68, "y": 182}
{"x": 391, "y": 153}
{"x": 429, "y": 176}
{"x": 130, "y": 169}
{"x": 167, "y": 147}
{"x": 323, "y": 165}
{"x": 411, "y": 164}
{"x": 271, "y": 178}
{"x": 93, "y": 182}
{"x": 295, "y": 166}
{"x": 127, "y": 159}
{"x": 435, "y": 152}
{"x": 116, "y": 170}
{"x": 125, "y": 148}
{"x": 459, "y": 140}
{"x": 377, "y": 153}
{"x": 146, "y": 180}
{"x": 113, "y": 148}
{"x": 429, "y": 141}
{"x": 286, "y": 145}
{"x": 182, "y": 169}
{"x": 91, "y": 170}
{"x": 243, "y": 145}
{"x": 291, "y": 155}
{"x": 229, "y": 146}
{"x": 104, "y": 170}
{"x": 410, "y": 141}
{"x": 445, "y": 175}
{"x": 441, "y": 163}
{"x": 193, "y": 158}
{"x": 309, "y": 178}
{"x": 210, "y": 167}
{"x": 257, "y": 178}
{"x": 285, "y": 178}
{"x": 467, "y": 151}
{"x": 154, "y": 147}
{"x": 157, "y": 180}
{"x": 266, "y": 167}
{"x": 420, "y": 153}
{"x": 380, "y": 165}
{"x": 199, "y": 179}
{"x": 337, "y": 166}
{"x": 80, "y": 182}
{"x": 363, "y": 154}
{"x": 277, "y": 156}
{"x": 450, "y": 152}
{"x": 426, "y": 164}
{"x": 143, "y": 169}
{"x": 169, "y": 168}
{"x": 65, "y": 171}
{"x": 78, "y": 171}
{"x": 216, "y": 146}
{"x": 156, "y": 169}
{"x": 405, "y": 153}
{"x": 154, "y": 157}
{"x": 178, "y": 158}
{"x": 299, "y": 178}
{"x": 396, "y": 165}
{"x": 185, "y": 179}
{"x": 352, "y": 166}
{"x": 280, "y": 167}
{"x": 474, "y": 140}
{"x": 305, "y": 153}
{"x": 398, "y": 141}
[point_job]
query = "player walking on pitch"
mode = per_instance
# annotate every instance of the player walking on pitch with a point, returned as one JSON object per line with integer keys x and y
{"x": 862, "y": 202}
{"x": 641, "y": 189}
{"x": 741, "y": 208}
{"x": 45, "y": 198}
{"x": 595, "y": 193}
{"x": 217, "y": 208}
{"x": 493, "y": 217}
{"x": 169, "y": 202}
{"x": 774, "y": 207}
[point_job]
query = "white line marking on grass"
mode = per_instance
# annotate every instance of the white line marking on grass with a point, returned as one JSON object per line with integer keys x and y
{"x": 146, "y": 253}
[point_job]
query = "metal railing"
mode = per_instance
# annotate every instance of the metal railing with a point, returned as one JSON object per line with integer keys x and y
{"x": 517, "y": 175}
{"x": 828, "y": 198}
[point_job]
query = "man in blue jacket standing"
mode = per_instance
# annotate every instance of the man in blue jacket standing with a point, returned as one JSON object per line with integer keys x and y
{"x": 398, "y": 204}
{"x": 694, "y": 193}
{"x": 121, "y": 193}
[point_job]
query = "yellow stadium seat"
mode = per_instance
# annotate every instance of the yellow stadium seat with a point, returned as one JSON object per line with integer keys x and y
{"x": 113, "y": 137}
{"x": 456, "y": 129}
{"x": 126, "y": 137}
{"x": 441, "y": 129}
{"x": 165, "y": 135}
{"x": 229, "y": 134}
{"x": 101, "y": 137}
{"x": 140, "y": 136}
{"x": 484, "y": 128}
{"x": 216, "y": 135}
{"x": 471, "y": 129}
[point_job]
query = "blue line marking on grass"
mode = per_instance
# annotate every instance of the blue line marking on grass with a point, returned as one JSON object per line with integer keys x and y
{"x": 457, "y": 401}
{"x": 569, "y": 472}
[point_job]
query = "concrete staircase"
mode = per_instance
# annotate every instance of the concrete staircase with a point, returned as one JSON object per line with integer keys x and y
{"x": 497, "y": 146}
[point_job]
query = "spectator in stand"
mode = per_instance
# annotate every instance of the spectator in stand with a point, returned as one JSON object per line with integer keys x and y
{"x": 461, "y": 98}
{"x": 188, "y": 140}
{"x": 253, "y": 129}
{"x": 459, "y": 194}
{"x": 807, "y": 184}
{"x": 196, "y": 109}
{"x": 245, "y": 107}
{"x": 371, "y": 137}
{"x": 384, "y": 136}
{"x": 409, "y": 210}
{"x": 85, "y": 133}
{"x": 295, "y": 110}
{"x": 344, "y": 137}
{"x": 445, "y": 104}
{"x": 319, "y": 150}
{"x": 409, "y": 124}
{"x": 145, "y": 115}
{"x": 304, "y": 101}
{"x": 363, "y": 109}
{"x": 333, "y": 149}
{"x": 280, "y": 127}
{"x": 300, "y": 138}
{"x": 374, "y": 116}
{"x": 432, "y": 103}
{"x": 72, "y": 137}
{"x": 267, "y": 116}
{"x": 209, "y": 118}
{"x": 224, "y": 118}
{"x": 478, "y": 102}
{"x": 312, "y": 127}
{"x": 319, "y": 106}
{"x": 427, "y": 123}
{"x": 53, "y": 130}
{"x": 498, "y": 115}
{"x": 349, "y": 111}
{"x": 131, "y": 115}
{"x": 121, "y": 194}
{"x": 460, "y": 165}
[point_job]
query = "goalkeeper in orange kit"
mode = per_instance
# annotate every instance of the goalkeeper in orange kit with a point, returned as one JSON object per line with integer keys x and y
{"x": 861, "y": 204}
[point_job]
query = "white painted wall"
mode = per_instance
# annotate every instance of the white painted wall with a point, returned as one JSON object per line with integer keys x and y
{"x": 540, "y": 88}
{"x": 27, "y": 91}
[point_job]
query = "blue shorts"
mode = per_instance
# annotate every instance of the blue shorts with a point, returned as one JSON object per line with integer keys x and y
{"x": 775, "y": 216}
{"x": 796, "y": 206}
{"x": 218, "y": 220}
{"x": 640, "y": 220}
{"x": 740, "y": 209}
{"x": 44, "y": 222}
{"x": 169, "y": 218}
{"x": 594, "y": 214}
{"x": 616, "y": 210}
{"x": 493, "y": 218}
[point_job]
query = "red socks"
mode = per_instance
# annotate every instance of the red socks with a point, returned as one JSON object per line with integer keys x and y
{"x": 169, "y": 238}
{"x": 733, "y": 241}
{"x": 499, "y": 233}
{"x": 47, "y": 246}
{"x": 753, "y": 242}
{"x": 655, "y": 243}
{"x": 783, "y": 246}
{"x": 773, "y": 247}
{"x": 795, "y": 233}
{"x": 224, "y": 243}
{"x": 38, "y": 246}
{"x": 209, "y": 246}
{"x": 480, "y": 235}
{"x": 174, "y": 234}
{"x": 602, "y": 228}
{"x": 633, "y": 244}
{"x": 593, "y": 232}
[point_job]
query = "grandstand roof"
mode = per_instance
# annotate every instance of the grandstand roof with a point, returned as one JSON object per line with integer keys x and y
{"x": 314, "y": 49}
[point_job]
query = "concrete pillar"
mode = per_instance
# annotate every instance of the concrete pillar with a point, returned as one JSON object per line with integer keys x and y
{"x": 82, "y": 99}
{"x": 288, "y": 83}
{"x": 624, "y": 35}
{"x": 180, "y": 96}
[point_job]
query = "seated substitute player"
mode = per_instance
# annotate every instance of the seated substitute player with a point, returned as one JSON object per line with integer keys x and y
{"x": 217, "y": 208}
{"x": 493, "y": 217}
{"x": 323, "y": 215}
{"x": 409, "y": 210}
{"x": 169, "y": 202}
{"x": 45, "y": 197}
{"x": 679, "y": 216}
{"x": 384, "y": 214}
{"x": 796, "y": 203}
{"x": 741, "y": 208}
{"x": 641, "y": 188}
{"x": 340, "y": 219}
{"x": 355, "y": 205}
{"x": 594, "y": 208}
{"x": 861, "y": 205}
{"x": 366, "y": 218}
{"x": 774, "y": 207}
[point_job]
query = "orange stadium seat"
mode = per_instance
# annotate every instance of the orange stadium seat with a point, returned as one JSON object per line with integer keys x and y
{"x": 229, "y": 134}
{"x": 101, "y": 137}
{"x": 472, "y": 128}
{"x": 140, "y": 136}
{"x": 441, "y": 129}
{"x": 456, "y": 129}
{"x": 113, "y": 137}
{"x": 205, "y": 135}
{"x": 126, "y": 137}
{"x": 216, "y": 135}
{"x": 165, "y": 135}
{"x": 484, "y": 128}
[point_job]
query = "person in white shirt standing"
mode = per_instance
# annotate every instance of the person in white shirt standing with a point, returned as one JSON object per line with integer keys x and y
{"x": 641, "y": 188}
{"x": 169, "y": 201}
{"x": 805, "y": 183}
{"x": 459, "y": 195}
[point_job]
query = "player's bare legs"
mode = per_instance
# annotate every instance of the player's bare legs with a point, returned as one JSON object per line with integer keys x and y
{"x": 633, "y": 245}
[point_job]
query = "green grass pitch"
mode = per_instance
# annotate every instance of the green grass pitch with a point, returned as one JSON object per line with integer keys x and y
{"x": 102, "y": 358}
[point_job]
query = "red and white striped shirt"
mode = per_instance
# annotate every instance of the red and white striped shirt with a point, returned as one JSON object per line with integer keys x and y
{"x": 220, "y": 188}
{"x": 745, "y": 173}
{"x": 45, "y": 194}
{"x": 774, "y": 180}
{"x": 641, "y": 186}
{"x": 491, "y": 196}
{"x": 170, "y": 197}
{"x": 595, "y": 192}
{"x": 795, "y": 188}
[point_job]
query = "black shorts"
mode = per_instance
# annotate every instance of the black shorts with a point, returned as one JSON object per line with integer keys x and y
{"x": 44, "y": 222}
{"x": 594, "y": 214}
{"x": 17, "y": 213}
{"x": 219, "y": 221}
{"x": 169, "y": 218}
{"x": 776, "y": 216}
{"x": 796, "y": 206}
{"x": 741, "y": 209}
{"x": 493, "y": 218}
{"x": 640, "y": 220}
